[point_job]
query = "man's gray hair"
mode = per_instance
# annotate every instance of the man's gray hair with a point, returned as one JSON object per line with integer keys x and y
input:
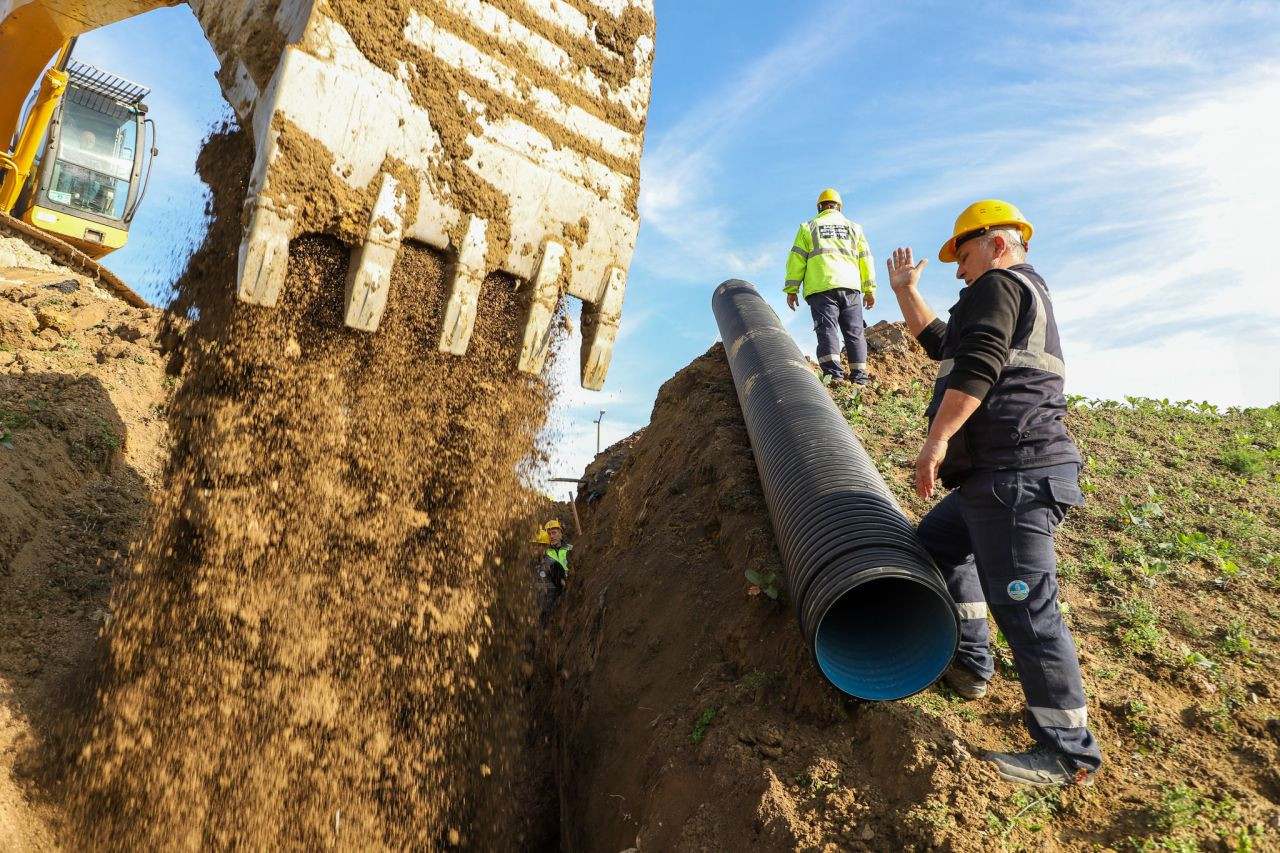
{"x": 1012, "y": 240}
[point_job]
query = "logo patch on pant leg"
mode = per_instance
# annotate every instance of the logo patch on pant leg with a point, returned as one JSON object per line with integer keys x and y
{"x": 1018, "y": 590}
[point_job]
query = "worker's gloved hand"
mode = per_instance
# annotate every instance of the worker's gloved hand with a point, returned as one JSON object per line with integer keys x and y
{"x": 792, "y": 301}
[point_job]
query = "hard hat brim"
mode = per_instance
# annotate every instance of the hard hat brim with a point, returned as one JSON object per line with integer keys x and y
{"x": 947, "y": 254}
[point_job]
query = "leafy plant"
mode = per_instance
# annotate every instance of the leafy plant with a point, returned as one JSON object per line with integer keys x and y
{"x": 1138, "y": 513}
{"x": 1139, "y": 723}
{"x": 1235, "y": 639}
{"x": 1138, "y": 624}
{"x": 766, "y": 582}
{"x": 1194, "y": 659}
{"x": 700, "y": 727}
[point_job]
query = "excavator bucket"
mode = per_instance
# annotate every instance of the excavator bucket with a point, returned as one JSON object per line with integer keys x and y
{"x": 506, "y": 134}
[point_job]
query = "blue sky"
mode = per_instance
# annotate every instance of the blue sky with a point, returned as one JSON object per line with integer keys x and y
{"x": 1141, "y": 139}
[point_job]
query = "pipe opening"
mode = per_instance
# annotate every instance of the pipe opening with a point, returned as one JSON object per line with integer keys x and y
{"x": 886, "y": 638}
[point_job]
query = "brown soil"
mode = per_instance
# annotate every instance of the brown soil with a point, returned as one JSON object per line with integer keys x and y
{"x": 690, "y": 715}
{"x": 83, "y": 397}
{"x": 315, "y": 644}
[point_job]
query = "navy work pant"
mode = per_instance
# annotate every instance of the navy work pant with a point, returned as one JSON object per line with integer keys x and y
{"x": 837, "y": 314}
{"x": 993, "y": 540}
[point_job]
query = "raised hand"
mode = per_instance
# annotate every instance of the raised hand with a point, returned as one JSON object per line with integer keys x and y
{"x": 902, "y": 275}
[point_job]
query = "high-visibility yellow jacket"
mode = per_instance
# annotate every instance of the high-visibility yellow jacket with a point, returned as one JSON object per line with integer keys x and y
{"x": 830, "y": 252}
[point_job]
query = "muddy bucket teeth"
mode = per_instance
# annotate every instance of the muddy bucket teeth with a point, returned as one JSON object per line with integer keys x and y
{"x": 507, "y": 135}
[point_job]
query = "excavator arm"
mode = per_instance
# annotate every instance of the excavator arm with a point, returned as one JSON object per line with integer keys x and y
{"x": 506, "y": 133}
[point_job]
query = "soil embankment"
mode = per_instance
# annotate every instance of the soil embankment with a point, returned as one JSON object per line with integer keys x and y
{"x": 691, "y": 716}
{"x": 83, "y": 403}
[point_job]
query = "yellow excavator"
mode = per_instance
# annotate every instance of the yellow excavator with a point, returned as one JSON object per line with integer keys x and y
{"x": 506, "y": 134}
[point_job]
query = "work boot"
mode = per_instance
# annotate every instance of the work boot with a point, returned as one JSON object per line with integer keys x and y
{"x": 1041, "y": 766}
{"x": 965, "y": 681}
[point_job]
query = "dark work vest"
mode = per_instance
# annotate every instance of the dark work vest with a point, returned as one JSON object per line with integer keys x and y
{"x": 1020, "y": 422}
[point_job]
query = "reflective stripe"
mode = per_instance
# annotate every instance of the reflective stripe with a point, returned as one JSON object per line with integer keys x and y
{"x": 829, "y": 359}
{"x": 1034, "y": 355}
{"x": 799, "y": 251}
{"x": 838, "y": 250}
{"x": 791, "y": 282}
{"x": 857, "y": 365}
{"x": 1072, "y": 718}
{"x": 972, "y": 609}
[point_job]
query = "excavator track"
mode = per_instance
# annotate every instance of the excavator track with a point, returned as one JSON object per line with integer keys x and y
{"x": 69, "y": 256}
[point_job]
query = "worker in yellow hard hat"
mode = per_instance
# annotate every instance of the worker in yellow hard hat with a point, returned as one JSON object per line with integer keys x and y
{"x": 553, "y": 565}
{"x": 830, "y": 265}
{"x": 997, "y": 439}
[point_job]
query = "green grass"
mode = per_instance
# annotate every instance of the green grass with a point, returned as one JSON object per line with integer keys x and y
{"x": 1245, "y": 461}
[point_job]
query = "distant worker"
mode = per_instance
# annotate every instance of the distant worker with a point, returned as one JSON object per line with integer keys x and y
{"x": 559, "y": 550}
{"x": 829, "y": 265}
{"x": 548, "y": 581}
{"x": 998, "y": 441}
{"x": 554, "y": 570}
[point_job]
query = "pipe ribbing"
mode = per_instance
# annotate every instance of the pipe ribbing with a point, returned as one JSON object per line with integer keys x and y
{"x": 872, "y": 604}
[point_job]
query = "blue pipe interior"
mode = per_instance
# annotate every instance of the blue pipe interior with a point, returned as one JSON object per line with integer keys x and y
{"x": 886, "y": 639}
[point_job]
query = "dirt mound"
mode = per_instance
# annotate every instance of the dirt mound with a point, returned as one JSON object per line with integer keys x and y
{"x": 83, "y": 396}
{"x": 692, "y": 717}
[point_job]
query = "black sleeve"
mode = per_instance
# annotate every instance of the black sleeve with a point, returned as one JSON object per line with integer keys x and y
{"x": 985, "y": 333}
{"x": 931, "y": 337}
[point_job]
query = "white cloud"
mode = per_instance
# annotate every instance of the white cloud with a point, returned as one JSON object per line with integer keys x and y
{"x": 683, "y": 166}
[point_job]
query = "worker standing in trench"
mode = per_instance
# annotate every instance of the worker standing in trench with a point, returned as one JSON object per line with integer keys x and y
{"x": 553, "y": 567}
{"x": 998, "y": 440}
{"x": 830, "y": 264}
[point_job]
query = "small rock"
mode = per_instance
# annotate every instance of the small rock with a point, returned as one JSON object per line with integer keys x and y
{"x": 1204, "y": 685}
{"x": 130, "y": 331}
{"x": 959, "y": 751}
{"x": 16, "y": 323}
{"x": 773, "y": 753}
{"x": 7, "y": 358}
{"x": 58, "y": 321}
{"x": 292, "y": 348}
{"x": 867, "y": 833}
{"x": 115, "y": 349}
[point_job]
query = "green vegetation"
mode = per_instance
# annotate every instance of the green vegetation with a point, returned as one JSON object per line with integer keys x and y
{"x": 1245, "y": 461}
{"x": 8, "y": 423}
{"x": 766, "y": 582}
{"x": 1172, "y": 569}
{"x": 1023, "y": 813}
{"x": 1138, "y": 626}
{"x": 700, "y": 727}
{"x": 1183, "y": 814}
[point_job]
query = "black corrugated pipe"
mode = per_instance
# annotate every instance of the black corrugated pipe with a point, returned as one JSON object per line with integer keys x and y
{"x": 871, "y": 602}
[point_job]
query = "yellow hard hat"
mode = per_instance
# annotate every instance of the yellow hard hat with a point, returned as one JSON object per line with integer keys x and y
{"x": 980, "y": 216}
{"x": 543, "y": 538}
{"x": 553, "y": 524}
{"x": 830, "y": 195}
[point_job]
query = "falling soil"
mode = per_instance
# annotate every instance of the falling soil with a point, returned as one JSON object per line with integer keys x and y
{"x": 314, "y": 646}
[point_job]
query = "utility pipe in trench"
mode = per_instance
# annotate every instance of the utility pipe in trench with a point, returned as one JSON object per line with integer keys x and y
{"x": 872, "y": 604}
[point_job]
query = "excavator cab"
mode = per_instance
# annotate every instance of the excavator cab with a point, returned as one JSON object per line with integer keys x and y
{"x": 93, "y": 167}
